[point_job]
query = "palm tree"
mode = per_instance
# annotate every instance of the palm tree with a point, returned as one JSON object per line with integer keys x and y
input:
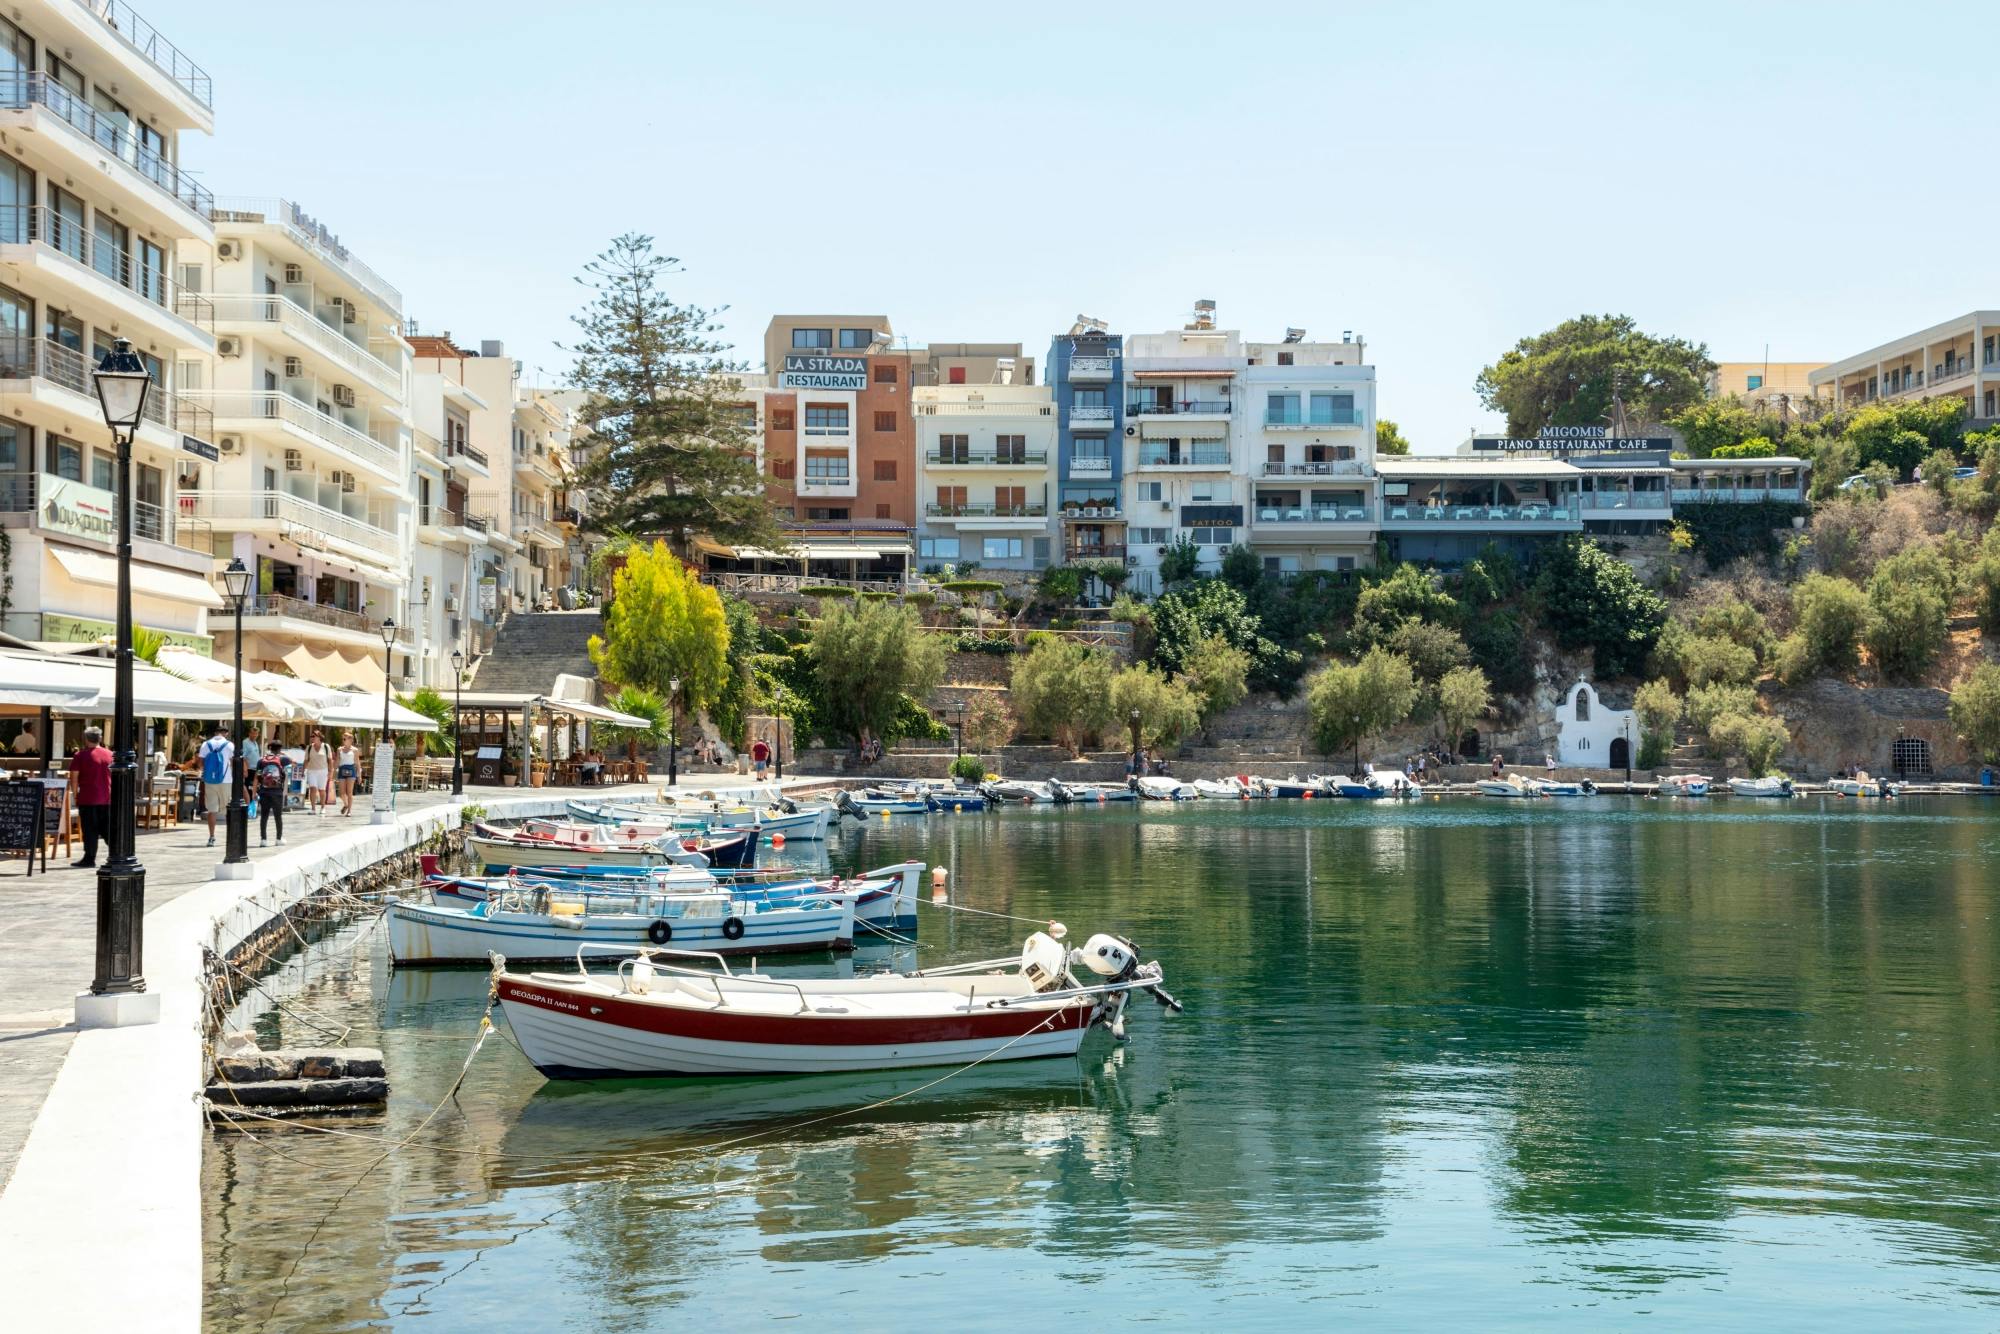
{"x": 640, "y": 703}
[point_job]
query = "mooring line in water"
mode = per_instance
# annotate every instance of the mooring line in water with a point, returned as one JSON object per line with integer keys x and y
{"x": 985, "y": 912}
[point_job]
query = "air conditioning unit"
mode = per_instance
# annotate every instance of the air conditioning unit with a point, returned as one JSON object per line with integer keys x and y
{"x": 1167, "y": 505}
{"x": 345, "y": 480}
{"x": 295, "y": 460}
{"x": 343, "y": 394}
{"x": 451, "y": 606}
{"x": 229, "y": 347}
{"x": 295, "y": 273}
{"x": 294, "y": 368}
{"x": 347, "y": 313}
{"x": 230, "y": 444}
{"x": 1131, "y": 430}
{"x": 1162, "y": 551}
{"x": 229, "y": 250}
{"x": 1131, "y": 562}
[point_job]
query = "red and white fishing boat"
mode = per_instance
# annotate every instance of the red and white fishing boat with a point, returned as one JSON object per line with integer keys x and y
{"x": 655, "y": 1018}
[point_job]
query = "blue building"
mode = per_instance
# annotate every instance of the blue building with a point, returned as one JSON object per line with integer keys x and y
{"x": 1087, "y": 376}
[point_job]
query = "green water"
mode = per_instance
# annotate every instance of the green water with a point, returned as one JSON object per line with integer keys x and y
{"x": 1568, "y": 1065}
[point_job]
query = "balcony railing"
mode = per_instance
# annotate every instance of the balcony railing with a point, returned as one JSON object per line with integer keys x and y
{"x": 1162, "y": 456}
{"x": 1480, "y": 513}
{"x": 311, "y": 330}
{"x": 303, "y": 417}
{"x": 1182, "y": 407}
{"x": 162, "y": 54}
{"x": 1090, "y": 418}
{"x": 38, "y": 359}
{"x": 458, "y": 449}
{"x": 745, "y": 582}
{"x": 987, "y": 509}
{"x": 1744, "y": 495}
{"x": 1090, "y": 368}
{"x": 309, "y": 233}
{"x": 37, "y": 224}
{"x": 1089, "y": 467}
{"x": 1623, "y": 500}
{"x": 1103, "y": 551}
{"x": 20, "y": 90}
{"x": 1955, "y": 370}
{"x": 1101, "y": 512}
{"x": 1334, "y": 468}
{"x": 298, "y": 609}
{"x": 997, "y": 408}
{"x": 1319, "y": 417}
{"x": 1313, "y": 513}
{"x": 154, "y": 523}
{"x": 236, "y": 509}
{"x": 988, "y": 458}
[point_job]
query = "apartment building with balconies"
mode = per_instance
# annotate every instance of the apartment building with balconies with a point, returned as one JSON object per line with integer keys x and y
{"x": 96, "y": 219}
{"x": 986, "y": 475}
{"x": 307, "y": 384}
{"x": 1775, "y": 386}
{"x": 1087, "y": 389}
{"x": 541, "y": 440}
{"x": 1959, "y": 357}
{"x": 455, "y": 568}
{"x": 839, "y": 439}
{"x": 1307, "y": 433}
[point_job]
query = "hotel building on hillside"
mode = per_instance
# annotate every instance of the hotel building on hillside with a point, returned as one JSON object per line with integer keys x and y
{"x": 1776, "y": 386}
{"x": 98, "y": 228}
{"x": 986, "y": 475}
{"x": 1308, "y": 444}
{"x": 1960, "y": 357}
{"x": 308, "y": 384}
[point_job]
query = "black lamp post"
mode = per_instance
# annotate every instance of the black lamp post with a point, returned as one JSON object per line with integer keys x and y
{"x": 386, "y": 782}
{"x": 1136, "y": 762}
{"x": 1357, "y": 745}
{"x": 778, "y": 746}
{"x": 236, "y": 842}
{"x": 674, "y": 732}
{"x": 122, "y": 384}
{"x": 457, "y": 721}
{"x": 958, "y": 726}
{"x": 1628, "y": 754}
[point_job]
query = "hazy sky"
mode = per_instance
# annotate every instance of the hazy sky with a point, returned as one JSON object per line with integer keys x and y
{"x": 1442, "y": 179}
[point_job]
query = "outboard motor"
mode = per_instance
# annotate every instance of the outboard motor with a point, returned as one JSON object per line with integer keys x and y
{"x": 1060, "y": 793}
{"x": 843, "y": 804}
{"x": 1112, "y": 958}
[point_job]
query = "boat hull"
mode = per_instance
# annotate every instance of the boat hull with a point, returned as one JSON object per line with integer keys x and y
{"x": 435, "y": 934}
{"x": 628, "y": 1039}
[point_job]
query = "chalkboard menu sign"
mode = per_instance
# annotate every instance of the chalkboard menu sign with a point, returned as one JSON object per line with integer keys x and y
{"x": 22, "y": 822}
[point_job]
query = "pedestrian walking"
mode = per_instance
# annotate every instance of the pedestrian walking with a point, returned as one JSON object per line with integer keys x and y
{"x": 348, "y": 760}
{"x": 319, "y": 769}
{"x": 90, "y": 778}
{"x": 760, "y": 755}
{"x": 273, "y": 777}
{"x": 218, "y": 759}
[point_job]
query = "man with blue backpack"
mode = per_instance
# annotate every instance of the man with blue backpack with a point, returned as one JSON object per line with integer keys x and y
{"x": 217, "y": 754}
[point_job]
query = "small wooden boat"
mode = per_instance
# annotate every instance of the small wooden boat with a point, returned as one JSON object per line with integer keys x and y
{"x": 1685, "y": 785}
{"x": 548, "y": 922}
{"x": 1773, "y": 786}
{"x": 808, "y": 823}
{"x": 1511, "y": 785}
{"x": 654, "y": 1017}
{"x": 495, "y": 849}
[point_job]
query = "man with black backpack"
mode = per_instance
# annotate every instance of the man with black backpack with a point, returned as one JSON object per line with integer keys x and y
{"x": 273, "y": 778}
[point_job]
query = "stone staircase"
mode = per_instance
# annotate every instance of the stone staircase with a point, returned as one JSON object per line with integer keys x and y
{"x": 531, "y": 648}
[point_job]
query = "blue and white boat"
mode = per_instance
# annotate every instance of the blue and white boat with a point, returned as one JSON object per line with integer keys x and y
{"x": 878, "y": 801}
{"x": 1549, "y": 787}
{"x": 1293, "y": 788}
{"x": 546, "y": 922}
{"x": 1083, "y": 794}
{"x": 955, "y": 799}
{"x": 885, "y": 898}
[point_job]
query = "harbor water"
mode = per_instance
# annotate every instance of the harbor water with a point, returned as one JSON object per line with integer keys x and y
{"x": 1479, "y": 1063}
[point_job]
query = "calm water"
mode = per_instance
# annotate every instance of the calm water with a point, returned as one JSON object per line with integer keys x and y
{"x": 1569, "y": 1065}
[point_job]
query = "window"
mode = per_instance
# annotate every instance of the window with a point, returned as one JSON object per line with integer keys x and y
{"x": 1583, "y": 706}
{"x": 1091, "y": 447}
{"x": 1201, "y": 493}
{"x": 1274, "y": 453}
{"x": 811, "y": 338}
{"x": 783, "y": 419}
{"x": 937, "y": 548}
{"x": 62, "y": 328}
{"x": 17, "y": 191}
{"x": 826, "y": 420}
{"x": 955, "y": 375}
{"x": 885, "y": 372}
{"x": 1001, "y": 548}
{"x": 17, "y": 50}
{"x": 1212, "y": 537}
{"x": 1010, "y": 499}
{"x": 110, "y": 238}
{"x": 1010, "y": 448}
{"x": 826, "y": 467}
{"x": 1755, "y": 382}
{"x": 854, "y": 340}
{"x": 14, "y": 440}
{"x": 951, "y": 499}
{"x": 784, "y": 469}
{"x": 885, "y": 421}
{"x": 827, "y": 513}
{"x": 1284, "y": 358}
{"x": 66, "y": 222}
{"x": 152, "y": 275}
{"x": 1156, "y": 537}
{"x": 1152, "y": 491}
{"x": 1086, "y": 398}
{"x": 885, "y": 470}
{"x": 62, "y": 458}
{"x": 881, "y": 511}
{"x": 1332, "y": 409}
{"x": 1281, "y": 410}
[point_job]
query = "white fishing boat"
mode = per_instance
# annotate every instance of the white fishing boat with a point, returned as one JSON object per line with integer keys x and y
{"x": 1773, "y": 786}
{"x": 654, "y": 1017}
{"x": 1090, "y": 793}
{"x": 1225, "y": 789}
{"x": 1509, "y": 785}
{"x": 805, "y": 823}
{"x": 1018, "y": 791}
{"x": 1685, "y": 785}
{"x": 1161, "y": 787}
{"x": 1294, "y": 787}
{"x": 1861, "y": 785}
{"x": 1396, "y": 786}
{"x": 1549, "y": 787}
{"x": 549, "y": 922}
{"x": 502, "y": 854}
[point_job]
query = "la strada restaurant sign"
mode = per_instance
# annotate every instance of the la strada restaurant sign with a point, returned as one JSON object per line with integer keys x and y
{"x": 1570, "y": 440}
{"x": 808, "y": 371}
{"x": 81, "y": 511}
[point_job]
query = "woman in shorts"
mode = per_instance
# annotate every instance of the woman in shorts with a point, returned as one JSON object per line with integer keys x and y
{"x": 319, "y": 766}
{"x": 348, "y": 760}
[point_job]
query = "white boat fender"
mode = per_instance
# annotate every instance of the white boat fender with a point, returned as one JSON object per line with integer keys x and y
{"x": 661, "y": 931}
{"x": 642, "y": 976}
{"x": 732, "y": 928}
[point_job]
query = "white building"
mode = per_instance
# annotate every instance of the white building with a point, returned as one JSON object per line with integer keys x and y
{"x": 1182, "y": 462}
{"x": 985, "y": 475}
{"x": 1591, "y": 736}
{"x": 308, "y": 385}
{"x": 96, "y": 218}
{"x": 1959, "y": 357}
{"x": 454, "y": 564}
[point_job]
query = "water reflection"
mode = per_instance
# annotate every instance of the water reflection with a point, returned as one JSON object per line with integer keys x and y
{"x": 1519, "y": 1062}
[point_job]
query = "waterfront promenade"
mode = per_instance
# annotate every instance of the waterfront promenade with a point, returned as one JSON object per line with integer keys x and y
{"x": 100, "y": 1139}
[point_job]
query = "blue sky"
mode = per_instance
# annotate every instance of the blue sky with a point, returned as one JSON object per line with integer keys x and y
{"x": 1442, "y": 178}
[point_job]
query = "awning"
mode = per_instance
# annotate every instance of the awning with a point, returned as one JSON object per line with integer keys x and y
{"x": 759, "y": 553}
{"x": 842, "y": 553}
{"x": 334, "y": 671}
{"x": 596, "y": 713}
{"x": 94, "y": 567}
{"x": 362, "y": 710}
{"x": 262, "y": 698}
{"x": 1183, "y": 375}
{"x": 155, "y": 694}
{"x": 35, "y": 681}
{"x": 707, "y": 547}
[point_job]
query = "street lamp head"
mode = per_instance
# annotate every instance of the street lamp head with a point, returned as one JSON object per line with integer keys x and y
{"x": 674, "y": 685}
{"x": 236, "y": 579}
{"x": 389, "y": 633}
{"x": 457, "y": 661}
{"x": 122, "y": 381}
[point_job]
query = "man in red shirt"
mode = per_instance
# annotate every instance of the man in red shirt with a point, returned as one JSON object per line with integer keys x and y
{"x": 90, "y": 781}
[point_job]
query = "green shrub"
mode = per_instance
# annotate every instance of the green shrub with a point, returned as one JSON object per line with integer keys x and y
{"x": 1591, "y": 599}
{"x": 1831, "y": 614}
{"x": 1705, "y": 704}
{"x": 1757, "y": 737}
{"x": 968, "y": 768}
{"x": 876, "y": 595}
{"x": 827, "y": 591}
{"x": 973, "y": 587}
{"x": 1975, "y": 711}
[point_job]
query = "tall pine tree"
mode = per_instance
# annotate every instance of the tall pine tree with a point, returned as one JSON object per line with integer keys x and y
{"x": 668, "y": 453}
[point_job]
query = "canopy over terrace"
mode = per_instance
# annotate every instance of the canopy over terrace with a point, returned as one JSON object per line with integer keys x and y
{"x": 492, "y": 711}
{"x": 288, "y": 699}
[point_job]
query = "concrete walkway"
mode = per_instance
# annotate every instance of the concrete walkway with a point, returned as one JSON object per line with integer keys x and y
{"x": 100, "y": 1142}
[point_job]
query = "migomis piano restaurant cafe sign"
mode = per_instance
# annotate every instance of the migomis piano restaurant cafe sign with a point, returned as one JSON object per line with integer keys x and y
{"x": 807, "y": 371}
{"x": 1568, "y": 439}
